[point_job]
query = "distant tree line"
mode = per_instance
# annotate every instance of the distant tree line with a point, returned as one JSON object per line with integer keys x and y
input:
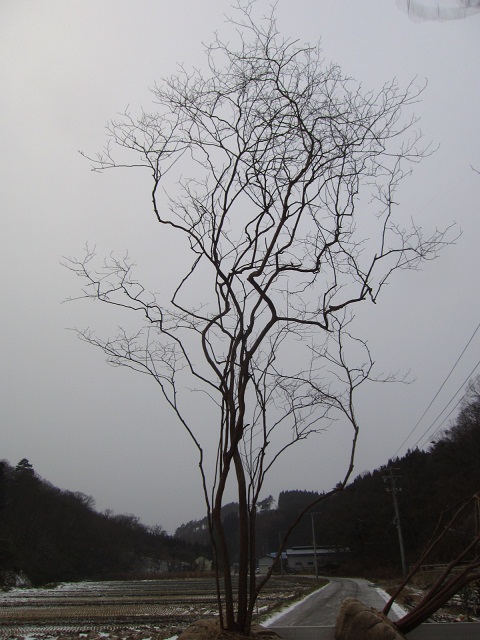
{"x": 362, "y": 517}
{"x": 54, "y": 535}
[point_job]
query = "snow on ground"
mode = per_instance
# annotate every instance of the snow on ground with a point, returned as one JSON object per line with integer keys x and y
{"x": 278, "y": 614}
{"x": 291, "y": 607}
{"x": 398, "y": 610}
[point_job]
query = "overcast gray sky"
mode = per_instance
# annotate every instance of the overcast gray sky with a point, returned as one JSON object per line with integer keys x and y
{"x": 66, "y": 68}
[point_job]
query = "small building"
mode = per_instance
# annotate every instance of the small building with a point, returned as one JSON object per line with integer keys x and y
{"x": 266, "y": 561}
{"x": 302, "y": 559}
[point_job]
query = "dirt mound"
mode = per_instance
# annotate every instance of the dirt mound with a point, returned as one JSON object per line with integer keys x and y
{"x": 210, "y": 630}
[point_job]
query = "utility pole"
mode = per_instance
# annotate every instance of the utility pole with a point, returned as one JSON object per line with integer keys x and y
{"x": 477, "y": 517}
{"x": 477, "y": 514}
{"x": 314, "y": 546}
{"x": 393, "y": 489}
{"x": 280, "y": 534}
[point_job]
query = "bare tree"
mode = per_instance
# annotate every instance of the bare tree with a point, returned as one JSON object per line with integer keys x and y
{"x": 290, "y": 219}
{"x": 419, "y": 10}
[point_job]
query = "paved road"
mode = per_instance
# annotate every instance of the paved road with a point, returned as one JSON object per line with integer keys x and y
{"x": 321, "y": 608}
{"x": 314, "y": 619}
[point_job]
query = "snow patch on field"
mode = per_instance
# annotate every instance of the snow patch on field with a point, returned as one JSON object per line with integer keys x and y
{"x": 66, "y": 593}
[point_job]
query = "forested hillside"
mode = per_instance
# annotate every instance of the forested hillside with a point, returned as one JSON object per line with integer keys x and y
{"x": 362, "y": 517}
{"x": 52, "y": 535}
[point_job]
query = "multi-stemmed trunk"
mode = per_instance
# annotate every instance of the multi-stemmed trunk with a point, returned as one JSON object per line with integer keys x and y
{"x": 285, "y": 154}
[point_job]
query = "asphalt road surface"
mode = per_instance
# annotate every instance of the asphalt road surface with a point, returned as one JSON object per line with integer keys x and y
{"x": 321, "y": 608}
{"x": 314, "y": 619}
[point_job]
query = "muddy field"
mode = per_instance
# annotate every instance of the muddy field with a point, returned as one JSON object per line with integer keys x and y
{"x": 136, "y": 610}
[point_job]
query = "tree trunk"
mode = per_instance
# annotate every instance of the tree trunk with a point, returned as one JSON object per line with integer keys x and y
{"x": 225, "y": 557}
{"x": 253, "y": 578}
{"x": 244, "y": 547}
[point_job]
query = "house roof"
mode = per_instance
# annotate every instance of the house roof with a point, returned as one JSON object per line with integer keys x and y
{"x": 310, "y": 551}
{"x": 273, "y": 555}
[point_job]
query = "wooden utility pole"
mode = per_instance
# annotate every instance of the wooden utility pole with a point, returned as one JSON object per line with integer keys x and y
{"x": 393, "y": 489}
{"x": 314, "y": 546}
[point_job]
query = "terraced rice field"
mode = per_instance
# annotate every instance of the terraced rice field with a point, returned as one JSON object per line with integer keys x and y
{"x": 134, "y": 609}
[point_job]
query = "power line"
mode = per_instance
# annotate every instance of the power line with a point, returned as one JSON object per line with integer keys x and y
{"x": 452, "y": 410}
{"x": 435, "y": 396}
